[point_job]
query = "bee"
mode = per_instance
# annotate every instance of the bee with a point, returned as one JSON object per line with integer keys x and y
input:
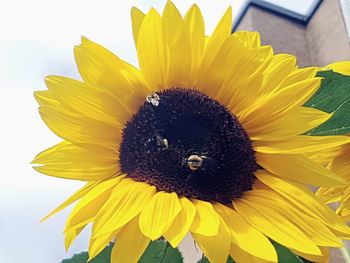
{"x": 157, "y": 142}
{"x": 200, "y": 162}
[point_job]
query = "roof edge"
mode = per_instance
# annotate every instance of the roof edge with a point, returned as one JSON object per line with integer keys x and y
{"x": 278, "y": 10}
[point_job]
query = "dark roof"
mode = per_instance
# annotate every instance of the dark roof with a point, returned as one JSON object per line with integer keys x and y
{"x": 278, "y": 10}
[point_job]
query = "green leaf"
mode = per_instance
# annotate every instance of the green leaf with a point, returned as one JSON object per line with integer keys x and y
{"x": 285, "y": 255}
{"x": 333, "y": 96}
{"x": 103, "y": 257}
{"x": 157, "y": 252}
{"x": 161, "y": 252}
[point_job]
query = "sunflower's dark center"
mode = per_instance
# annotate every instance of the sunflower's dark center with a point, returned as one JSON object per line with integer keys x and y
{"x": 183, "y": 141}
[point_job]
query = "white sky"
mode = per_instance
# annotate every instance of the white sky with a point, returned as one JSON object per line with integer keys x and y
{"x": 37, "y": 39}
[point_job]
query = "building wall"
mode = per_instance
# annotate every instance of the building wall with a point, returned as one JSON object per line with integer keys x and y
{"x": 327, "y": 35}
{"x": 322, "y": 41}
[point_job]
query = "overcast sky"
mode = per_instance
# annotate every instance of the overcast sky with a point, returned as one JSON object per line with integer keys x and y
{"x": 37, "y": 39}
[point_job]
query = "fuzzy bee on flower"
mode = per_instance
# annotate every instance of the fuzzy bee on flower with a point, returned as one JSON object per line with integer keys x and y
{"x": 206, "y": 136}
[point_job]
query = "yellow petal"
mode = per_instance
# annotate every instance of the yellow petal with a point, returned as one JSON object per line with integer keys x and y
{"x": 344, "y": 201}
{"x": 342, "y": 67}
{"x": 84, "y": 213}
{"x": 293, "y": 123}
{"x": 172, "y": 24}
{"x": 76, "y": 196}
{"x": 330, "y": 195}
{"x": 159, "y": 214}
{"x": 274, "y": 105}
{"x": 305, "y": 200}
{"x": 177, "y": 41}
{"x": 45, "y": 98}
{"x": 299, "y": 168}
{"x": 70, "y": 161}
{"x": 215, "y": 248}
{"x": 275, "y": 225}
{"x": 298, "y": 75}
{"x": 247, "y": 71}
{"x": 280, "y": 67}
{"x": 137, "y": 17}
{"x": 241, "y": 256}
{"x": 181, "y": 224}
{"x": 100, "y": 152}
{"x": 271, "y": 202}
{"x": 126, "y": 202}
{"x": 130, "y": 243}
{"x": 340, "y": 161}
{"x": 247, "y": 78}
{"x": 47, "y": 101}
{"x": 96, "y": 245}
{"x": 81, "y": 98}
{"x": 89, "y": 205}
{"x": 151, "y": 51}
{"x": 220, "y": 34}
{"x": 245, "y": 236}
{"x": 106, "y": 72}
{"x": 194, "y": 25}
{"x": 324, "y": 157}
{"x": 79, "y": 129}
{"x": 324, "y": 258}
{"x": 344, "y": 212}
{"x": 70, "y": 236}
{"x": 301, "y": 144}
{"x": 225, "y": 65}
{"x": 250, "y": 39}
{"x": 235, "y": 72}
{"x": 206, "y": 221}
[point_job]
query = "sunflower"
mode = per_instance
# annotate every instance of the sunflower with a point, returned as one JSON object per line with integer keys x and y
{"x": 205, "y": 138}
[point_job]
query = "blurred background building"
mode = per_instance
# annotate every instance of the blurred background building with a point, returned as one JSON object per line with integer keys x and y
{"x": 317, "y": 32}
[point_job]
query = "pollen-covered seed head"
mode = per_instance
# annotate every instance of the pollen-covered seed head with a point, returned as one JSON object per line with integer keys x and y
{"x": 183, "y": 141}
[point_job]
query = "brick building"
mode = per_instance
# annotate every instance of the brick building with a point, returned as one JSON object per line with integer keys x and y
{"x": 317, "y": 37}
